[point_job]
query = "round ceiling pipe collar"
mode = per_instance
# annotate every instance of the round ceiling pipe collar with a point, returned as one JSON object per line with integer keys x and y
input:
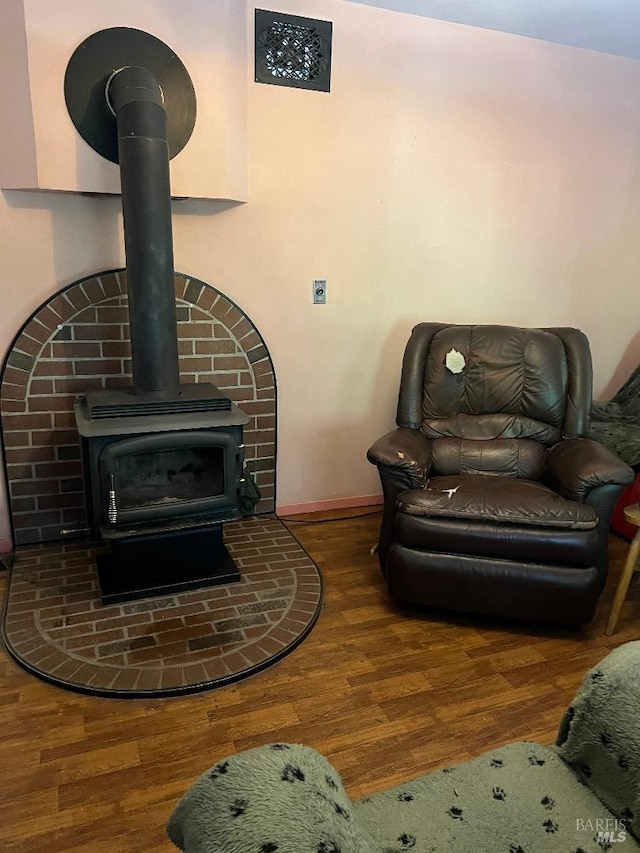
{"x": 103, "y": 56}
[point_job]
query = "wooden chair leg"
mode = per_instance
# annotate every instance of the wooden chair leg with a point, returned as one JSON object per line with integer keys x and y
{"x": 623, "y": 585}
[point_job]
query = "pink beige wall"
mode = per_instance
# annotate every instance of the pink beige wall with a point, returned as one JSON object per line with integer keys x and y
{"x": 451, "y": 174}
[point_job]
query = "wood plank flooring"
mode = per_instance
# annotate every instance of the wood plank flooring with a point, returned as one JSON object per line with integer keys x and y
{"x": 386, "y": 693}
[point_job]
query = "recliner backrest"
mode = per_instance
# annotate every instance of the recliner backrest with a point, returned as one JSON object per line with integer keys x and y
{"x": 521, "y": 390}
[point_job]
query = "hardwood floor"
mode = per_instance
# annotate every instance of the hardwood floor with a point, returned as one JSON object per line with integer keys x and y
{"x": 385, "y": 693}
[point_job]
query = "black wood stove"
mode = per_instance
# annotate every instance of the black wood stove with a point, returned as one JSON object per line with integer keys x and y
{"x": 159, "y": 488}
{"x": 163, "y": 461}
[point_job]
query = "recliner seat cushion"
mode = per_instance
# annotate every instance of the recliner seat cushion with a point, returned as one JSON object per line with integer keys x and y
{"x": 481, "y": 497}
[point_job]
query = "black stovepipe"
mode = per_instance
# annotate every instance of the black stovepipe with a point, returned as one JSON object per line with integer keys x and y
{"x": 135, "y": 98}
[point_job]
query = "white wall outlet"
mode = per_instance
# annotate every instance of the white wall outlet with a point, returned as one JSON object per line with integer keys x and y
{"x": 319, "y": 291}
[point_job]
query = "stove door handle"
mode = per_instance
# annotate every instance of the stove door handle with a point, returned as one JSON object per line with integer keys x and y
{"x": 112, "y": 510}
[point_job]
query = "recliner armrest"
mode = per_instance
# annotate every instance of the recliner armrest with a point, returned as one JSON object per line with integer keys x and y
{"x": 575, "y": 466}
{"x": 405, "y": 449}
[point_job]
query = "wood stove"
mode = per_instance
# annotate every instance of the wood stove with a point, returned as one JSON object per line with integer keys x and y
{"x": 159, "y": 488}
{"x": 163, "y": 460}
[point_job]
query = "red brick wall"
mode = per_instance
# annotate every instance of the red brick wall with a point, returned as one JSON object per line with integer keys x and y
{"x": 79, "y": 340}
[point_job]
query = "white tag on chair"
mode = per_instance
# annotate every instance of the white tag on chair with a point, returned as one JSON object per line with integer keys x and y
{"x": 454, "y": 361}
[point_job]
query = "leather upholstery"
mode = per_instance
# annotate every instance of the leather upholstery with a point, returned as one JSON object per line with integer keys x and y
{"x": 494, "y": 499}
{"x": 495, "y": 342}
{"x": 573, "y": 546}
{"x": 504, "y": 457}
{"x": 477, "y": 497}
{"x": 490, "y": 587}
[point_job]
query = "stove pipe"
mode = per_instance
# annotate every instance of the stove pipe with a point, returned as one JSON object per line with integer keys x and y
{"x": 135, "y": 98}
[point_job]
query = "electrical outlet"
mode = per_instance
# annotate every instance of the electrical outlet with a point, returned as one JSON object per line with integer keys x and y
{"x": 319, "y": 291}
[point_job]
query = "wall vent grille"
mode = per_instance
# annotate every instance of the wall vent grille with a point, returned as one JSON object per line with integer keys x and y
{"x": 293, "y": 51}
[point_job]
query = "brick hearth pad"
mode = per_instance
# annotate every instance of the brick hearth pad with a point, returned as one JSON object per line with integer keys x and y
{"x": 56, "y": 627}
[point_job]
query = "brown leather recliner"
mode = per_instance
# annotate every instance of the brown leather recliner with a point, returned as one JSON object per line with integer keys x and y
{"x": 495, "y": 501}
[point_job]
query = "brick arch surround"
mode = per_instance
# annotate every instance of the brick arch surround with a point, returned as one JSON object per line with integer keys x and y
{"x": 79, "y": 340}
